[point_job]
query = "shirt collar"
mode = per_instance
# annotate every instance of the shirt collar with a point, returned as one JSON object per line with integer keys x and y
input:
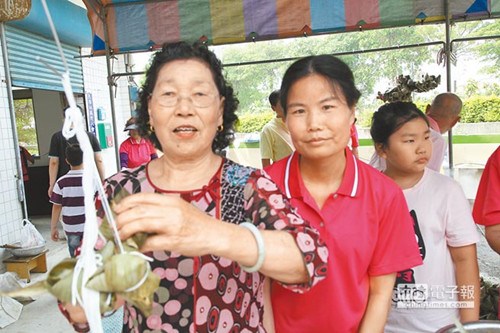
{"x": 293, "y": 179}
{"x": 433, "y": 124}
{"x": 132, "y": 140}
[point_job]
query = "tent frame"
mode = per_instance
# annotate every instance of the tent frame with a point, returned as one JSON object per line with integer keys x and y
{"x": 447, "y": 45}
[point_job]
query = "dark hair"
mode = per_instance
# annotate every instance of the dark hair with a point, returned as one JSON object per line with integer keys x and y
{"x": 184, "y": 51}
{"x": 274, "y": 97}
{"x": 131, "y": 121}
{"x": 330, "y": 67}
{"x": 67, "y": 108}
{"x": 390, "y": 117}
{"x": 74, "y": 155}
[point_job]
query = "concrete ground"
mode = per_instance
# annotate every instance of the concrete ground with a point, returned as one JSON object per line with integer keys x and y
{"x": 43, "y": 315}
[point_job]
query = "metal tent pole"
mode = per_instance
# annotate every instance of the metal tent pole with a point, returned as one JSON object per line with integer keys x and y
{"x": 447, "y": 48}
{"x": 110, "y": 86}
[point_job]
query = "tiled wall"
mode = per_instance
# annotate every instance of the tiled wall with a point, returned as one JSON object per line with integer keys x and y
{"x": 10, "y": 208}
{"x": 95, "y": 73}
{"x": 95, "y": 81}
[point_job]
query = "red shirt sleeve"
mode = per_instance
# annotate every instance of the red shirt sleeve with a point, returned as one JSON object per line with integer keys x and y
{"x": 486, "y": 209}
{"x": 395, "y": 240}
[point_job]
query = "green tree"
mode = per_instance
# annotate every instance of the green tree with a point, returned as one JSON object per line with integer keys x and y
{"x": 25, "y": 124}
{"x": 487, "y": 51}
{"x": 254, "y": 82}
{"x": 373, "y": 70}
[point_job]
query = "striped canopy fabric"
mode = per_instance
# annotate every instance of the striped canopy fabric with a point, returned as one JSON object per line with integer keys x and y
{"x": 136, "y": 25}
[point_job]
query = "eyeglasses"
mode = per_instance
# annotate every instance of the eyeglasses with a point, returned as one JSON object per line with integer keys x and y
{"x": 198, "y": 99}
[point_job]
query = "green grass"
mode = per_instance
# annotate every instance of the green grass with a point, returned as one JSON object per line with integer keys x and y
{"x": 491, "y": 138}
{"x": 457, "y": 139}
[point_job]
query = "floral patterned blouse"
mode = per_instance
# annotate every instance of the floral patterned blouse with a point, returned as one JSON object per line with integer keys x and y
{"x": 209, "y": 293}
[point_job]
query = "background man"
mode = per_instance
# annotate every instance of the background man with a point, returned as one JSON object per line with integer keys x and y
{"x": 57, "y": 156}
{"x": 275, "y": 141}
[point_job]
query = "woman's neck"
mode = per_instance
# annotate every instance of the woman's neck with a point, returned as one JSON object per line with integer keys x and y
{"x": 404, "y": 180}
{"x": 183, "y": 174}
{"x": 322, "y": 177}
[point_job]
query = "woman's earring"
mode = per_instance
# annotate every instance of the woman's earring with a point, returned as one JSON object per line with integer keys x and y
{"x": 220, "y": 128}
{"x": 151, "y": 128}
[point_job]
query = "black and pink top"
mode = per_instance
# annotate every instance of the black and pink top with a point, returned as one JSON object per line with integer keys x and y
{"x": 209, "y": 293}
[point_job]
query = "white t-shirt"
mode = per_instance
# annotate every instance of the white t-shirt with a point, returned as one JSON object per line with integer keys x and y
{"x": 435, "y": 162}
{"x": 443, "y": 218}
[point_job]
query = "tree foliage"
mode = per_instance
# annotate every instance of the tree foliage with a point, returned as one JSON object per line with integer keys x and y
{"x": 249, "y": 123}
{"x": 374, "y": 70}
{"x": 475, "y": 109}
{"x": 25, "y": 124}
{"x": 481, "y": 109}
{"x": 253, "y": 82}
{"x": 486, "y": 51}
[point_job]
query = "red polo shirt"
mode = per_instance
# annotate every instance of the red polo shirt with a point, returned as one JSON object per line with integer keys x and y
{"x": 369, "y": 232}
{"x": 133, "y": 153}
{"x": 487, "y": 203}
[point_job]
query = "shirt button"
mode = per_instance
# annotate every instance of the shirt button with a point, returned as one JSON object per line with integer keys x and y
{"x": 335, "y": 196}
{"x": 322, "y": 224}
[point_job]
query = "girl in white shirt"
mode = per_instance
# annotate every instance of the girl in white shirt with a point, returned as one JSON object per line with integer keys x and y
{"x": 446, "y": 287}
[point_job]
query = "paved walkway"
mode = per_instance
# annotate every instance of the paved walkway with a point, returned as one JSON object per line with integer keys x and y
{"x": 43, "y": 315}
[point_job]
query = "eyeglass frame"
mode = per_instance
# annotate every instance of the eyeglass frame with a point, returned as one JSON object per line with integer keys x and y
{"x": 190, "y": 98}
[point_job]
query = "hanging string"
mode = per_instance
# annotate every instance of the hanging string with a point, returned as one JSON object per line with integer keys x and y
{"x": 87, "y": 262}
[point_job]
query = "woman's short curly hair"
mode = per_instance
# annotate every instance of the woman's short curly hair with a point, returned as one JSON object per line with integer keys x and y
{"x": 183, "y": 51}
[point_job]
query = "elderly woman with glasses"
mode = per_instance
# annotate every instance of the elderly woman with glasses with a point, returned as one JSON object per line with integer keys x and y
{"x": 216, "y": 228}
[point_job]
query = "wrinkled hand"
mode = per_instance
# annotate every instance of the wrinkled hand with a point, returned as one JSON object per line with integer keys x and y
{"x": 172, "y": 223}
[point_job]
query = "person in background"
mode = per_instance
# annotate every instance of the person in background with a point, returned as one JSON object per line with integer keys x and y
{"x": 443, "y": 226}
{"x": 275, "y": 142}
{"x": 135, "y": 150}
{"x": 216, "y": 228}
{"x": 57, "y": 156}
{"x": 486, "y": 209}
{"x": 25, "y": 158}
{"x": 68, "y": 198}
{"x": 354, "y": 144}
{"x": 360, "y": 213}
{"x": 443, "y": 114}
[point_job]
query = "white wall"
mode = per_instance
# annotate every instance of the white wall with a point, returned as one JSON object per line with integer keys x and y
{"x": 95, "y": 82}
{"x": 11, "y": 210}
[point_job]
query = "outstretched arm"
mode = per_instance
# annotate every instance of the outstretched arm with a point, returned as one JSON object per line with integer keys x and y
{"x": 178, "y": 226}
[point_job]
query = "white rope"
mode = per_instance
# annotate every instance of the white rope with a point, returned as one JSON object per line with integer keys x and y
{"x": 142, "y": 280}
{"x": 87, "y": 262}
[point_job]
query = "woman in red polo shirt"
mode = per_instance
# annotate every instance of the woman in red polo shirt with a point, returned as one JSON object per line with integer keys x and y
{"x": 361, "y": 213}
{"x": 487, "y": 204}
{"x": 135, "y": 151}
